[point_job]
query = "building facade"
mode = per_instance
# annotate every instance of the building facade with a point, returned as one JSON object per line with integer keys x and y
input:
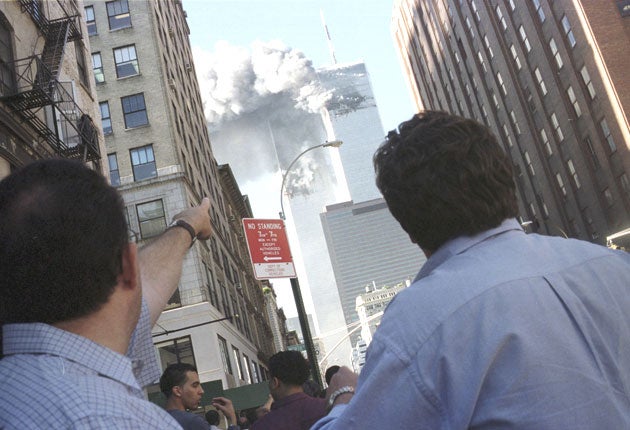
{"x": 160, "y": 159}
{"x": 371, "y": 305}
{"x": 47, "y": 93}
{"x": 367, "y": 247}
{"x": 549, "y": 77}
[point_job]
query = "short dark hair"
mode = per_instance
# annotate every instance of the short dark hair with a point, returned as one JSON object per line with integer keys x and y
{"x": 444, "y": 176}
{"x": 330, "y": 372}
{"x": 290, "y": 367}
{"x": 212, "y": 417}
{"x": 62, "y": 235}
{"x": 174, "y": 376}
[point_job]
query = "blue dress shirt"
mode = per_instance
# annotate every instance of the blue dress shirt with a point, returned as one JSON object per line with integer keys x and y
{"x": 503, "y": 330}
{"x": 54, "y": 379}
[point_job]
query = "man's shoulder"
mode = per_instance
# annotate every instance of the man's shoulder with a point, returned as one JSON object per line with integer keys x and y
{"x": 188, "y": 420}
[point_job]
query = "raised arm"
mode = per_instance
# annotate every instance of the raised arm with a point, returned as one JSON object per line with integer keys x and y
{"x": 161, "y": 260}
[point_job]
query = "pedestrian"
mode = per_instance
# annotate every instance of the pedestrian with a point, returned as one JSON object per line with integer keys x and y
{"x": 79, "y": 300}
{"x": 291, "y": 409}
{"x": 500, "y": 329}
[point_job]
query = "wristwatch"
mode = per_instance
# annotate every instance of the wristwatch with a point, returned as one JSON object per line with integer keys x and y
{"x": 189, "y": 228}
{"x": 343, "y": 390}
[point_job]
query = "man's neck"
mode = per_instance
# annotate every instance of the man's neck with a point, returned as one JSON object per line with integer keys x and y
{"x": 174, "y": 403}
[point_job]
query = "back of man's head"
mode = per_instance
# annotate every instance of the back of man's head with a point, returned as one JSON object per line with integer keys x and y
{"x": 290, "y": 367}
{"x": 62, "y": 234}
{"x": 444, "y": 176}
{"x": 175, "y": 376}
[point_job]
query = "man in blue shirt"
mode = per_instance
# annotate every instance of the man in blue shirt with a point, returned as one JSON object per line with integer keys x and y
{"x": 500, "y": 329}
{"x": 78, "y": 301}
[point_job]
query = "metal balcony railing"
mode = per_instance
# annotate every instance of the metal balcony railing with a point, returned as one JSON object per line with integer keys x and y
{"x": 31, "y": 90}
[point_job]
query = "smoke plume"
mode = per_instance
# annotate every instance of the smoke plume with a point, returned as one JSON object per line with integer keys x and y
{"x": 262, "y": 105}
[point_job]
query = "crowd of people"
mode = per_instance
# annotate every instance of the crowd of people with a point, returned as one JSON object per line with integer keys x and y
{"x": 500, "y": 329}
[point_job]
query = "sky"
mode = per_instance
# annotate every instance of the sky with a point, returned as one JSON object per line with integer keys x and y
{"x": 253, "y": 58}
{"x": 359, "y": 30}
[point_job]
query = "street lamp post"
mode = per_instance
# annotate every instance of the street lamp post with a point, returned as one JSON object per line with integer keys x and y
{"x": 295, "y": 284}
{"x": 331, "y": 144}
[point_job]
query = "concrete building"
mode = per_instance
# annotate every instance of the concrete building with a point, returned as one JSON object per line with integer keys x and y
{"x": 550, "y": 78}
{"x": 47, "y": 92}
{"x": 160, "y": 158}
{"x": 371, "y": 305}
{"x": 367, "y": 247}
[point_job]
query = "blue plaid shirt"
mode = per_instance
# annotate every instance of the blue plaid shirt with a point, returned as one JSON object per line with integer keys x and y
{"x": 53, "y": 379}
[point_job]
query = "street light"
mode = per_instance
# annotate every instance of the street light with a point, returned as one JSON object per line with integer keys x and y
{"x": 331, "y": 144}
{"x": 295, "y": 284}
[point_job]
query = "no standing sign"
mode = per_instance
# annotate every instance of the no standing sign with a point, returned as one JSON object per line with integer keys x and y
{"x": 268, "y": 248}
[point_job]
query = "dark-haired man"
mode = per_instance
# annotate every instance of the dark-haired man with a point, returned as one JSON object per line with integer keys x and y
{"x": 500, "y": 329}
{"x": 78, "y": 301}
{"x": 181, "y": 386}
{"x": 291, "y": 409}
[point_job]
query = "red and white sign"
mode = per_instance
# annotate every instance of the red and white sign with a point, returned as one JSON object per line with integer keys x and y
{"x": 268, "y": 248}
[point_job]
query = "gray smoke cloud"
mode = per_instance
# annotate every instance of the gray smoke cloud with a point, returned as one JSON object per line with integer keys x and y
{"x": 262, "y": 105}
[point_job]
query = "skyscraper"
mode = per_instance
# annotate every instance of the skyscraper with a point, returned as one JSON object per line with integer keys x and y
{"x": 550, "y": 78}
{"x": 160, "y": 159}
{"x": 367, "y": 247}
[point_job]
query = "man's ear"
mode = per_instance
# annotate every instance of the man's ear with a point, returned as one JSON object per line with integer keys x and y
{"x": 129, "y": 276}
{"x": 176, "y": 391}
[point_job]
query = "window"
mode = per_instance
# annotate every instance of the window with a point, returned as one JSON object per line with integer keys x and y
{"x": 501, "y": 83}
{"x": 608, "y": 196}
{"x": 90, "y": 20}
{"x": 225, "y": 356}
{"x": 591, "y": 151}
{"x": 607, "y": 136}
{"x": 517, "y": 61}
{"x": 105, "y": 117}
{"x": 118, "y": 14}
{"x": 483, "y": 64}
{"x": 488, "y": 47}
{"x": 625, "y": 183}
{"x": 541, "y": 82}
{"x": 545, "y": 141}
{"x": 541, "y": 13}
{"x": 556, "y": 127}
{"x": 515, "y": 122}
{"x": 470, "y": 29}
{"x": 143, "y": 163}
{"x": 560, "y": 182}
{"x": 7, "y": 72}
{"x": 114, "y": 174}
{"x": 556, "y": 54}
{"x": 239, "y": 365}
{"x": 587, "y": 81}
{"x": 501, "y": 18}
{"x": 151, "y": 218}
{"x": 573, "y": 172}
{"x": 81, "y": 66}
{"x": 134, "y": 110}
{"x": 473, "y": 6}
{"x": 524, "y": 38}
{"x": 573, "y": 100}
{"x": 496, "y": 101}
{"x": 528, "y": 162}
{"x": 248, "y": 374}
{"x": 506, "y": 133}
{"x": 176, "y": 351}
{"x": 126, "y": 61}
{"x": 97, "y": 65}
{"x": 512, "y": 5}
{"x": 568, "y": 31}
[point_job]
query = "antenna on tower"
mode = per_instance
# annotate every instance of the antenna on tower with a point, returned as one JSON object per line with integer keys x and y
{"x": 331, "y": 48}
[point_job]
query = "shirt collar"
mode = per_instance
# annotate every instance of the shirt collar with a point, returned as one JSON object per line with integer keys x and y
{"x": 461, "y": 244}
{"x": 39, "y": 338}
{"x": 286, "y": 400}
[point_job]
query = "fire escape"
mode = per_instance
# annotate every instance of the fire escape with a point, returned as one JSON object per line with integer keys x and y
{"x": 36, "y": 95}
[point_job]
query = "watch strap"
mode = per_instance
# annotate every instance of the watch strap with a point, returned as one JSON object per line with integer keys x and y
{"x": 343, "y": 390}
{"x": 189, "y": 228}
